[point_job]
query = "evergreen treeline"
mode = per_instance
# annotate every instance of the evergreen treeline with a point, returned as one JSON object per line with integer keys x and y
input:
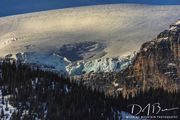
{"x": 47, "y": 95}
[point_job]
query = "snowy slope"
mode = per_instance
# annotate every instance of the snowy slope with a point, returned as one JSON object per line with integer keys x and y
{"x": 7, "y": 109}
{"x": 112, "y": 25}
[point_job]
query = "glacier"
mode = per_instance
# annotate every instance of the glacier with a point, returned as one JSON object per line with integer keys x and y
{"x": 54, "y": 62}
{"x": 115, "y": 64}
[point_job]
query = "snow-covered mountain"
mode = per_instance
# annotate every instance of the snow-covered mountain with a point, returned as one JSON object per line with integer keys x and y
{"x": 84, "y": 39}
{"x": 112, "y": 25}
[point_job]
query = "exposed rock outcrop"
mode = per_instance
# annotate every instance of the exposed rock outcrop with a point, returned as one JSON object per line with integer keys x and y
{"x": 157, "y": 64}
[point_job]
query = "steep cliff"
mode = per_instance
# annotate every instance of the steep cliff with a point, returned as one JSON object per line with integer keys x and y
{"x": 157, "y": 64}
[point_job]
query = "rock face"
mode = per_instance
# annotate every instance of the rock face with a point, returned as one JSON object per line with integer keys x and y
{"x": 157, "y": 64}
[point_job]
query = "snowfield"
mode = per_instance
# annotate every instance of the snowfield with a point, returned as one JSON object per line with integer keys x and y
{"x": 122, "y": 27}
{"x": 83, "y": 39}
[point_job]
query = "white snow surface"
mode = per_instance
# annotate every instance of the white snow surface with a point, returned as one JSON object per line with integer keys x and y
{"x": 34, "y": 38}
{"x": 8, "y": 109}
{"x": 178, "y": 22}
{"x": 122, "y": 27}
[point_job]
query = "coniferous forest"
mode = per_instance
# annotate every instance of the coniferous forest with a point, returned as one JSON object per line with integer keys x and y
{"x": 49, "y": 96}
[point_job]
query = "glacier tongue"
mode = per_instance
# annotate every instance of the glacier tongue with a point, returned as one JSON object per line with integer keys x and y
{"x": 46, "y": 61}
{"x": 54, "y": 62}
{"x": 99, "y": 65}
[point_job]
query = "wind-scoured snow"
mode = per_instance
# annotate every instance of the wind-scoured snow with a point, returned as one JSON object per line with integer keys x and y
{"x": 94, "y": 38}
{"x": 122, "y": 28}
